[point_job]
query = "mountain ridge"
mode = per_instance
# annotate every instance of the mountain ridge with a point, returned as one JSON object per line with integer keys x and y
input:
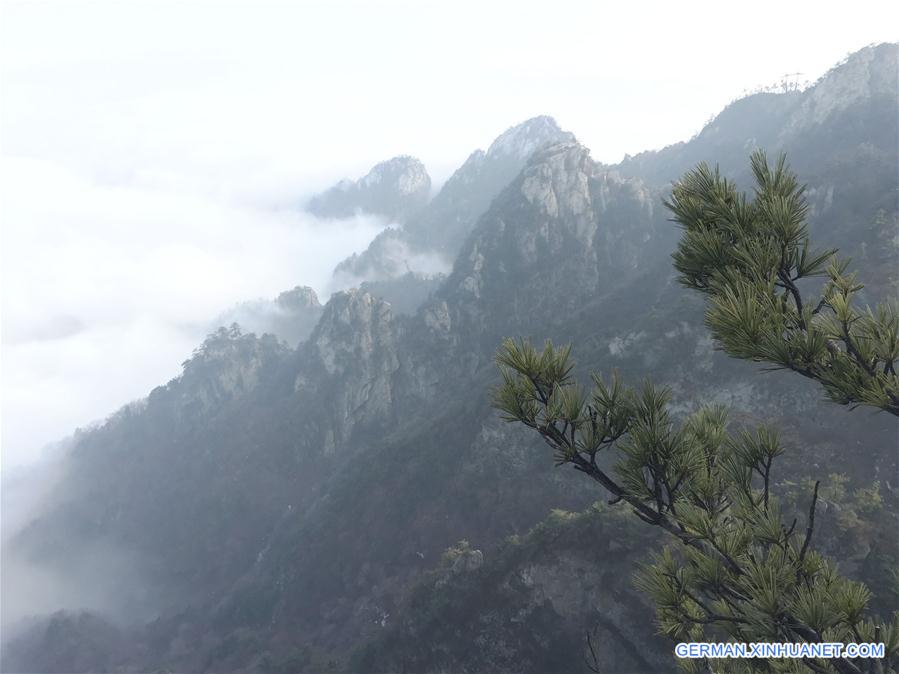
{"x": 316, "y": 487}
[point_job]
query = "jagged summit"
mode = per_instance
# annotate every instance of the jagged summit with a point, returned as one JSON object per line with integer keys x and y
{"x": 437, "y": 232}
{"x": 395, "y": 188}
{"x": 565, "y": 222}
{"x": 522, "y": 140}
{"x": 349, "y": 309}
{"x": 352, "y": 328}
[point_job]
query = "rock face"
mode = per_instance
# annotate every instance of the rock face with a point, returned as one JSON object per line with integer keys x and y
{"x": 352, "y": 356}
{"x": 565, "y": 222}
{"x": 291, "y": 507}
{"x": 354, "y": 331}
{"x": 227, "y": 365}
{"x": 396, "y": 189}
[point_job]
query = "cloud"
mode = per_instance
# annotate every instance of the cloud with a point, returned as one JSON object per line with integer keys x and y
{"x": 107, "y": 288}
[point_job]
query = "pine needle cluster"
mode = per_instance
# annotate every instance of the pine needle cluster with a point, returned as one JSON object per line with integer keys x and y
{"x": 741, "y": 571}
{"x": 752, "y": 257}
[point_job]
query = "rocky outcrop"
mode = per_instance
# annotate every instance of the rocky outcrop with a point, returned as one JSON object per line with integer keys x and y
{"x": 395, "y": 189}
{"x": 565, "y": 222}
{"x": 348, "y": 365}
{"x": 355, "y": 334}
{"x": 452, "y": 215}
{"x": 525, "y": 139}
{"x": 228, "y": 364}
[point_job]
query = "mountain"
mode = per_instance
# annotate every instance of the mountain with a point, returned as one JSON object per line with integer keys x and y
{"x": 429, "y": 241}
{"x": 840, "y": 136}
{"x": 396, "y": 188}
{"x": 829, "y": 121}
{"x": 354, "y": 503}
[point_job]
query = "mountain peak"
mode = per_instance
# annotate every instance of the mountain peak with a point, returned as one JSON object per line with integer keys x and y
{"x": 522, "y": 140}
{"x": 407, "y": 174}
{"x": 300, "y": 297}
{"x": 870, "y": 73}
{"x": 394, "y": 188}
{"x": 353, "y": 325}
{"x": 447, "y": 220}
{"x": 353, "y": 350}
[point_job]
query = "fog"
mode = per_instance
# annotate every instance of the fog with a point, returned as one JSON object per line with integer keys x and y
{"x": 108, "y": 288}
{"x": 155, "y": 159}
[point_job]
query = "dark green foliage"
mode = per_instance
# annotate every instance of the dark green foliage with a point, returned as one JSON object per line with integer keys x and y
{"x": 750, "y": 256}
{"x": 742, "y": 570}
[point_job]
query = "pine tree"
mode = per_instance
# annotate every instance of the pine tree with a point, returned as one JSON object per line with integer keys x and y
{"x": 740, "y": 570}
{"x": 752, "y": 258}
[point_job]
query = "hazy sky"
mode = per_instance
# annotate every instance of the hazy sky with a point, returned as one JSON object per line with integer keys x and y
{"x": 152, "y": 154}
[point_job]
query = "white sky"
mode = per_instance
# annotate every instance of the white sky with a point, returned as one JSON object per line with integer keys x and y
{"x": 152, "y": 154}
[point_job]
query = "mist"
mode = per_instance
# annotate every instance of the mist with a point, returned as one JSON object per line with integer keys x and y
{"x": 108, "y": 288}
{"x": 98, "y": 576}
{"x": 304, "y": 511}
